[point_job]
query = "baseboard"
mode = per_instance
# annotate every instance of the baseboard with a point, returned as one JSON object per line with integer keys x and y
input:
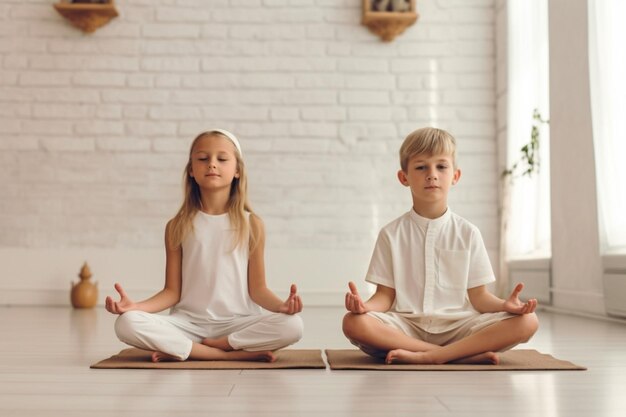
{"x": 575, "y": 313}
{"x": 40, "y": 276}
{"x": 615, "y": 293}
{"x": 58, "y": 298}
{"x": 534, "y": 272}
{"x": 587, "y": 301}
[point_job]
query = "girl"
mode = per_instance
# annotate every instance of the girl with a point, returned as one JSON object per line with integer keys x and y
{"x": 214, "y": 274}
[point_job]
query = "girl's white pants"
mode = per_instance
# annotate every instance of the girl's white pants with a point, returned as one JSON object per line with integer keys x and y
{"x": 175, "y": 334}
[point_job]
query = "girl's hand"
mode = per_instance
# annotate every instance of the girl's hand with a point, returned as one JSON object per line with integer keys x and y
{"x": 514, "y": 305}
{"x": 118, "y": 307}
{"x": 293, "y": 304}
{"x": 354, "y": 303}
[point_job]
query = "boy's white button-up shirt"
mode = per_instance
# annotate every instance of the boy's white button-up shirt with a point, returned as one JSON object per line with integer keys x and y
{"x": 431, "y": 263}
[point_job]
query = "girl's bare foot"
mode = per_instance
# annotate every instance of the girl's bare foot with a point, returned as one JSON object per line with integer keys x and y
{"x": 219, "y": 355}
{"x": 221, "y": 343}
{"x": 163, "y": 357}
{"x": 221, "y": 350}
{"x": 202, "y": 352}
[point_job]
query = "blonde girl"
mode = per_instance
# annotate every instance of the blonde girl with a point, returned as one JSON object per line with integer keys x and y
{"x": 215, "y": 274}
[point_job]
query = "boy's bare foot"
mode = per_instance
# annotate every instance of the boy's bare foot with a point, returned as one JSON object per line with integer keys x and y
{"x": 163, "y": 357}
{"x": 406, "y": 356}
{"x": 488, "y": 358}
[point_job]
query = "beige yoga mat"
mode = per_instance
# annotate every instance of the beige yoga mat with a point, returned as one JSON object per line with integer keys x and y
{"x": 513, "y": 360}
{"x": 285, "y": 359}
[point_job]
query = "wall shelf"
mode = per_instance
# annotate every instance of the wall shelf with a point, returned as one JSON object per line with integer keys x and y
{"x": 87, "y": 16}
{"x": 388, "y": 24}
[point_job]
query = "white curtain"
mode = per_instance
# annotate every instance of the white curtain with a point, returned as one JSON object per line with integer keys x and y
{"x": 527, "y": 230}
{"x": 607, "y": 67}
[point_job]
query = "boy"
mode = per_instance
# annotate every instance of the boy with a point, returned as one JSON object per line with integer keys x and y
{"x": 431, "y": 268}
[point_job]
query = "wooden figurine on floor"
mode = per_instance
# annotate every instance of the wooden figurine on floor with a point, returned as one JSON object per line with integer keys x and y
{"x": 85, "y": 293}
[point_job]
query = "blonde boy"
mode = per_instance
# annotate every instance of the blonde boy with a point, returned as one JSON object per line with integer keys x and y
{"x": 431, "y": 269}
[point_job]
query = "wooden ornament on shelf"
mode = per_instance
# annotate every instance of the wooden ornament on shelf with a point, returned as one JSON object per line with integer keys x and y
{"x": 84, "y": 294}
{"x": 87, "y": 15}
{"x": 388, "y": 18}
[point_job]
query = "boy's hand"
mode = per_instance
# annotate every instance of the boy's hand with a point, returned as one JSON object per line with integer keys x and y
{"x": 354, "y": 303}
{"x": 293, "y": 304}
{"x": 514, "y": 305}
{"x": 118, "y": 307}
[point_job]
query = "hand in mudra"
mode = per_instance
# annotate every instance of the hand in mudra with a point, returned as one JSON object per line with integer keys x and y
{"x": 293, "y": 304}
{"x": 123, "y": 305}
{"x": 514, "y": 305}
{"x": 354, "y": 303}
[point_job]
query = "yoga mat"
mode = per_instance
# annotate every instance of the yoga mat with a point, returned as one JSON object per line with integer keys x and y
{"x": 512, "y": 360}
{"x": 285, "y": 359}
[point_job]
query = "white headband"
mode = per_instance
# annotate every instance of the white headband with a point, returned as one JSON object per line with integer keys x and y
{"x": 230, "y": 136}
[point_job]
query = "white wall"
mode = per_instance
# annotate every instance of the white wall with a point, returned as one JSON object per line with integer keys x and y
{"x": 94, "y": 131}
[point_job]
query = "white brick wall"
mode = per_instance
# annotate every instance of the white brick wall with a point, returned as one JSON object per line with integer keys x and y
{"x": 94, "y": 128}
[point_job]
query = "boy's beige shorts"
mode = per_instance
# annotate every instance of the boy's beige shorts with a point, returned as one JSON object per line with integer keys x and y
{"x": 414, "y": 327}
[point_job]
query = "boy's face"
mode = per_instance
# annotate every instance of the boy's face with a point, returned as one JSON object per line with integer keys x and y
{"x": 430, "y": 178}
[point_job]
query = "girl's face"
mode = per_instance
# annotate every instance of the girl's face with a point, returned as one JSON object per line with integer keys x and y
{"x": 213, "y": 163}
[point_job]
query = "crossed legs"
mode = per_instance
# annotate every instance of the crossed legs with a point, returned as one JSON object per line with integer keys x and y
{"x": 479, "y": 347}
{"x": 175, "y": 338}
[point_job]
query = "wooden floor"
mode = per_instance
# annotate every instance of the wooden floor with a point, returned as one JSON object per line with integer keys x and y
{"x": 46, "y": 353}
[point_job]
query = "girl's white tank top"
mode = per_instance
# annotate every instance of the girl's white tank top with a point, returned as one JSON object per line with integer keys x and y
{"x": 214, "y": 276}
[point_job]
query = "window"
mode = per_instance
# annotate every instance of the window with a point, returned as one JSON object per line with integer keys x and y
{"x": 528, "y": 220}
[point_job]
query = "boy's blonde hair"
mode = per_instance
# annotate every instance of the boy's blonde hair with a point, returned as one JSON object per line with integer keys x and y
{"x": 428, "y": 141}
{"x": 238, "y": 204}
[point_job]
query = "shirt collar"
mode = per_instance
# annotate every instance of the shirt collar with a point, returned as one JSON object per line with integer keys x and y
{"x": 424, "y": 222}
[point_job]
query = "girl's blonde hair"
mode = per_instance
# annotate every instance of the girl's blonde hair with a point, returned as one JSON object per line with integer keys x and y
{"x": 428, "y": 141}
{"x": 238, "y": 204}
